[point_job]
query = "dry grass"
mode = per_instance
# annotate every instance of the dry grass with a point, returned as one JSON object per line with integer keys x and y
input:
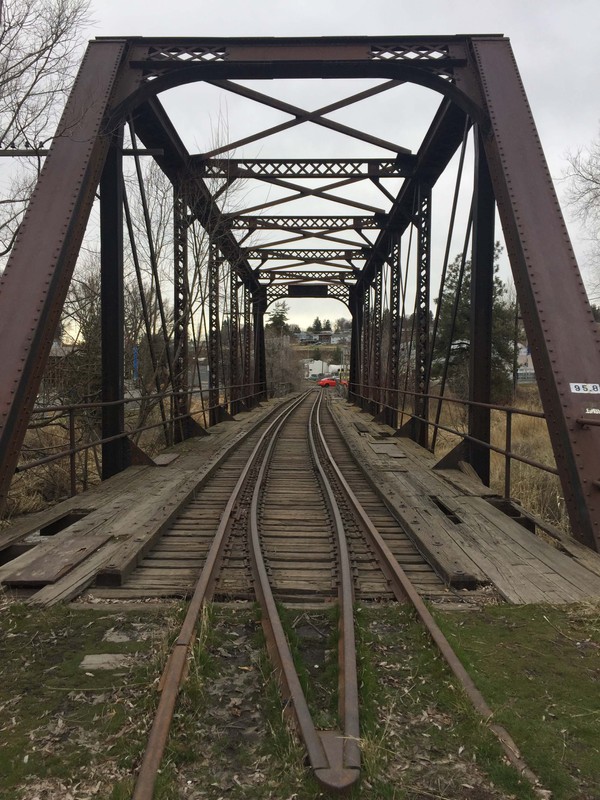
{"x": 537, "y": 491}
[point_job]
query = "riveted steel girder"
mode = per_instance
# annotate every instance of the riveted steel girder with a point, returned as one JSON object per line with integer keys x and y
{"x": 306, "y": 223}
{"x": 479, "y": 84}
{"x": 306, "y": 256}
{"x": 423, "y": 221}
{"x": 308, "y": 275}
{"x": 399, "y": 167}
{"x": 35, "y": 281}
{"x": 550, "y": 290}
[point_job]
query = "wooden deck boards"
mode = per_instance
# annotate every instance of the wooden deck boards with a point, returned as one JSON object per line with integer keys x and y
{"x": 130, "y": 510}
{"x": 466, "y": 537}
{"x": 447, "y": 513}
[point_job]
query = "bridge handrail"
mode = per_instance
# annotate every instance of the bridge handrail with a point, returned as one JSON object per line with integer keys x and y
{"x": 71, "y": 409}
{"x": 510, "y": 411}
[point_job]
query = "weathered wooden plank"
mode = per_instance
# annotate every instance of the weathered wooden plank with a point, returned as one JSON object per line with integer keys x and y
{"x": 83, "y": 504}
{"x": 387, "y": 449}
{"x": 21, "y": 561}
{"x": 582, "y": 583}
{"x": 65, "y": 553}
{"x": 164, "y": 459}
{"x": 465, "y": 483}
{"x": 74, "y": 582}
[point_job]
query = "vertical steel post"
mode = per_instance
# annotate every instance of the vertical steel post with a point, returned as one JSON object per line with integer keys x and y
{"x": 35, "y": 281}
{"x": 393, "y": 380}
{"x": 259, "y": 307}
{"x": 376, "y": 330}
{"x": 248, "y": 389}
{"x": 365, "y": 373}
{"x": 354, "y": 377}
{"x": 234, "y": 346}
{"x": 482, "y": 294}
{"x": 214, "y": 415}
{"x": 422, "y": 312}
{"x": 181, "y": 310}
{"x": 115, "y": 454}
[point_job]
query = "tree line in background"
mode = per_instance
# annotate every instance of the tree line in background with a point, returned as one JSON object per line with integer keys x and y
{"x": 583, "y": 176}
{"x": 41, "y": 43}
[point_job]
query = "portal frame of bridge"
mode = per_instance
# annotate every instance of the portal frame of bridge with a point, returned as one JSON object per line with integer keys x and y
{"x": 479, "y": 85}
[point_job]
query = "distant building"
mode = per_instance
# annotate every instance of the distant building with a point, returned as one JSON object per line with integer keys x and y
{"x": 307, "y": 337}
{"x": 316, "y": 369}
{"x": 525, "y": 370}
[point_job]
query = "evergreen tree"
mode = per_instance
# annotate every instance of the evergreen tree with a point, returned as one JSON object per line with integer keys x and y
{"x": 343, "y": 324}
{"x": 454, "y": 333}
{"x": 278, "y": 318}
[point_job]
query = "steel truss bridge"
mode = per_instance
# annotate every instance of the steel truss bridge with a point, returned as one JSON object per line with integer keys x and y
{"x": 374, "y": 255}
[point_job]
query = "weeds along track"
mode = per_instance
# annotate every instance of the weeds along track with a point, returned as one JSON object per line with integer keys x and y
{"x": 294, "y": 527}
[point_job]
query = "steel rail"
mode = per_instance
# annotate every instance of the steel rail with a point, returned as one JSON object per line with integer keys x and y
{"x": 334, "y": 755}
{"x": 174, "y": 671}
{"x": 347, "y": 669}
{"x": 404, "y": 589}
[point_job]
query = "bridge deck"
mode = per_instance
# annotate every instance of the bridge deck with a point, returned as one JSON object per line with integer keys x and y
{"x": 451, "y": 516}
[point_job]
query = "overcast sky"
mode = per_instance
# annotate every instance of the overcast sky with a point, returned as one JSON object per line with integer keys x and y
{"x": 555, "y": 44}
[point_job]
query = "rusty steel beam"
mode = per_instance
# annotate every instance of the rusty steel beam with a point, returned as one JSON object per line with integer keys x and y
{"x": 234, "y": 346}
{"x": 115, "y": 453}
{"x": 399, "y": 167}
{"x": 181, "y": 317}
{"x": 395, "y": 349}
{"x": 34, "y": 284}
{"x": 214, "y": 335}
{"x": 308, "y": 275}
{"x": 259, "y": 307}
{"x": 156, "y": 131}
{"x": 247, "y": 344}
{"x": 437, "y": 52}
{"x": 443, "y": 138}
{"x": 481, "y": 325}
{"x": 300, "y": 116}
{"x": 306, "y": 256}
{"x": 551, "y": 294}
{"x": 365, "y": 349}
{"x": 433, "y": 62}
{"x": 355, "y": 304}
{"x": 422, "y": 312}
{"x": 377, "y": 329}
{"x": 306, "y": 223}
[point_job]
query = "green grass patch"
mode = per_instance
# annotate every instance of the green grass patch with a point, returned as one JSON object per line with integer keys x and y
{"x": 539, "y": 669}
{"x": 421, "y": 736}
{"x": 61, "y": 723}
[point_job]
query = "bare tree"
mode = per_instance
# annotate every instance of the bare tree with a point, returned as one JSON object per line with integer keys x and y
{"x": 39, "y": 51}
{"x": 583, "y": 175}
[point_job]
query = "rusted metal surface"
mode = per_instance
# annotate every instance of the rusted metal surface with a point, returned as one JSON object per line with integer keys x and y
{"x": 334, "y": 755}
{"x": 303, "y": 168}
{"x": 175, "y": 667}
{"x": 115, "y": 453}
{"x": 35, "y": 282}
{"x": 482, "y": 299}
{"x": 404, "y": 589}
{"x": 478, "y": 85}
{"x": 549, "y": 287}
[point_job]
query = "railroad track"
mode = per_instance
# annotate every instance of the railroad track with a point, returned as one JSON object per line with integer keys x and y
{"x": 292, "y": 529}
{"x": 296, "y": 526}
